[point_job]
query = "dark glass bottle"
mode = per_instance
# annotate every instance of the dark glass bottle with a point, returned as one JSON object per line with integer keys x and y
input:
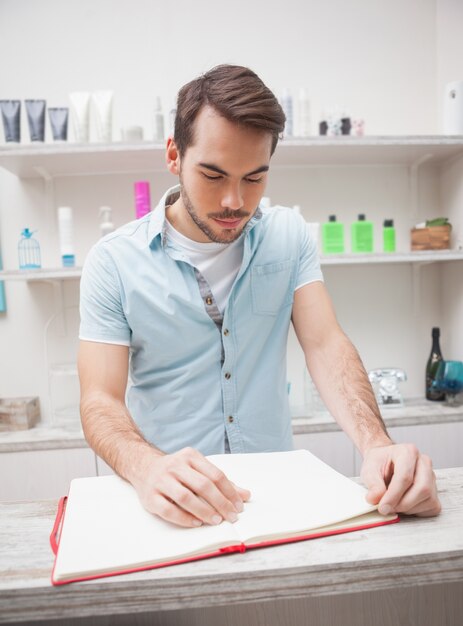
{"x": 431, "y": 368}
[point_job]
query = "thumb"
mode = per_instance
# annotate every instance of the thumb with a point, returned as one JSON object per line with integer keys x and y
{"x": 376, "y": 474}
{"x": 376, "y": 491}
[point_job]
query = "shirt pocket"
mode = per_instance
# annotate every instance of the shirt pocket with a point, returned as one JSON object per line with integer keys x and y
{"x": 271, "y": 287}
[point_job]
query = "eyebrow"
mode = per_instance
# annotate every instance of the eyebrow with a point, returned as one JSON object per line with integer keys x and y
{"x": 218, "y": 170}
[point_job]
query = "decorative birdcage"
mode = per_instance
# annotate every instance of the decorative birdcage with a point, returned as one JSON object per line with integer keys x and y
{"x": 28, "y": 251}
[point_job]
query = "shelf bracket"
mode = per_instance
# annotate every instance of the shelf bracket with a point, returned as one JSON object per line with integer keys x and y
{"x": 58, "y": 305}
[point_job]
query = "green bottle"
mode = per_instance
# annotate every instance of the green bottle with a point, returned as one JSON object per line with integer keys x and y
{"x": 388, "y": 236}
{"x": 362, "y": 235}
{"x": 332, "y": 236}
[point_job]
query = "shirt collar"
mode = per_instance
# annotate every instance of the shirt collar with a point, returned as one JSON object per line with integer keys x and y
{"x": 157, "y": 224}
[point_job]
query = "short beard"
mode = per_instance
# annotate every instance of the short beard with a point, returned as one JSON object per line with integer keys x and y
{"x": 203, "y": 226}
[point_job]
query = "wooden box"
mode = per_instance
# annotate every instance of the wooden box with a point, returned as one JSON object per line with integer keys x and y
{"x": 19, "y": 413}
{"x": 431, "y": 238}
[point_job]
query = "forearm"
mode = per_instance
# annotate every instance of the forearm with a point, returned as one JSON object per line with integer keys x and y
{"x": 111, "y": 432}
{"x": 339, "y": 375}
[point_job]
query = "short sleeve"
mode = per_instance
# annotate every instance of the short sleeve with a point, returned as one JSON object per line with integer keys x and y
{"x": 102, "y": 317}
{"x": 309, "y": 269}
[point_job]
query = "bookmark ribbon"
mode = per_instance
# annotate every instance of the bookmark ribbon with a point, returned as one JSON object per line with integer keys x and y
{"x": 54, "y": 539}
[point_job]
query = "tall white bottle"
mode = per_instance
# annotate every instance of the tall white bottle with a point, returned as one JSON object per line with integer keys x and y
{"x": 106, "y": 224}
{"x": 66, "y": 237}
{"x": 287, "y": 106}
{"x": 304, "y": 120}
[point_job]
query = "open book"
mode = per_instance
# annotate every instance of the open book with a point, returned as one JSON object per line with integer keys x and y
{"x": 294, "y": 496}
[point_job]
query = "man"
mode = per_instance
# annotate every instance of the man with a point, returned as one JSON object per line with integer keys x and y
{"x": 198, "y": 296}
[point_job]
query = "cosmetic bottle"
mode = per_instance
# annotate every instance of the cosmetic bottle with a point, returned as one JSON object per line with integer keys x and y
{"x": 11, "y": 116}
{"x": 287, "y": 106}
{"x": 66, "y": 239}
{"x": 362, "y": 235}
{"x": 388, "y": 236}
{"x": 28, "y": 251}
{"x": 333, "y": 236}
{"x": 80, "y": 115}
{"x": 106, "y": 225}
{"x": 142, "y": 198}
{"x": 58, "y": 117}
{"x": 103, "y": 109}
{"x": 158, "y": 121}
{"x": 36, "y": 119}
{"x": 304, "y": 120}
{"x": 2, "y": 291}
{"x": 172, "y": 115}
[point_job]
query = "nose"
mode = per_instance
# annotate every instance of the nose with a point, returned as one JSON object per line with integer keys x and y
{"x": 232, "y": 198}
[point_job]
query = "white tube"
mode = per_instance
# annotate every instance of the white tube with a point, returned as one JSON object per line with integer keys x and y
{"x": 80, "y": 101}
{"x": 103, "y": 107}
{"x": 66, "y": 239}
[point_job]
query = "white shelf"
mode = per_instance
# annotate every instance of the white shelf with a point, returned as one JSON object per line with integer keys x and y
{"x": 55, "y": 160}
{"x": 429, "y": 256}
{"x": 426, "y": 256}
{"x": 62, "y": 273}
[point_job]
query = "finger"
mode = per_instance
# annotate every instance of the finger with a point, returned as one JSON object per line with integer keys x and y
{"x": 376, "y": 480}
{"x": 427, "y": 508}
{"x": 423, "y": 488}
{"x": 208, "y": 502}
{"x": 244, "y": 493}
{"x": 401, "y": 481}
{"x": 225, "y": 486}
{"x": 170, "y": 512}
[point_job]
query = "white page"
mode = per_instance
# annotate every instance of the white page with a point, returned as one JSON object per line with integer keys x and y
{"x": 291, "y": 492}
{"x": 107, "y": 529}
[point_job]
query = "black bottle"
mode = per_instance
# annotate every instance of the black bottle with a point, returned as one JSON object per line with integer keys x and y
{"x": 431, "y": 368}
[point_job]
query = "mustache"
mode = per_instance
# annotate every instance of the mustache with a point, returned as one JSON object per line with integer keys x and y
{"x": 229, "y": 215}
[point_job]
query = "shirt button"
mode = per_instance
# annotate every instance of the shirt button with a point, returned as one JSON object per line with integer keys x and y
{"x": 228, "y": 375}
{"x": 208, "y": 300}
{"x": 226, "y": 332}
{"x": 230, "y": 418}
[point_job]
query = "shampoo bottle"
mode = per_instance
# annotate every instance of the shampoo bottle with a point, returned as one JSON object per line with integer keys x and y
{"x": 158, "y": 121}
{"x": 304, "y": 125}
{"x": 106, "y": 225}
{"x": 333, "y": 236}
{"x": 362, "y": 235}
{"x": 66, "y": 239}
{"x": 142, "y": 198}
{"x": 287, "y": 106}
{"x": 388, "y": 236}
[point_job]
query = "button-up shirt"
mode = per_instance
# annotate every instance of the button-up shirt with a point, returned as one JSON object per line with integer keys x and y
{"x": 196, "y": 375}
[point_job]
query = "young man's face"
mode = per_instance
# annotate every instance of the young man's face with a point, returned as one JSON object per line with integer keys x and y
{"x": 223, "y": 175}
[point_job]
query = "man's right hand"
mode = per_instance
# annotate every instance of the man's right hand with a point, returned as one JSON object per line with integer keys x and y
{"x": 188, "y": 490}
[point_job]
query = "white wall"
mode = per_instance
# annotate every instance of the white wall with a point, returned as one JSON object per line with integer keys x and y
{"x": 384, "y": 61}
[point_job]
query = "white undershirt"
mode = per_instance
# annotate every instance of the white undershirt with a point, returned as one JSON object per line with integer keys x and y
{"x": 219, "y": 263}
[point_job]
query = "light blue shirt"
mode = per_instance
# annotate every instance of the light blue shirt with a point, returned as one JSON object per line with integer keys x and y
{"x": 198, "y": 379}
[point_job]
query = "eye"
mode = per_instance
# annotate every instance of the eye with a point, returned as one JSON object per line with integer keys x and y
{"x": 211, "y": 177}
{"x": 253, "y": 180}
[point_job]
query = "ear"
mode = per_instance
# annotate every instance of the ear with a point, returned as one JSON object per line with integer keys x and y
{"x": 172, "y": 157}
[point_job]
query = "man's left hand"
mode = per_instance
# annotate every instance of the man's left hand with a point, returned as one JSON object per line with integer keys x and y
{"x": 400, "y": 480}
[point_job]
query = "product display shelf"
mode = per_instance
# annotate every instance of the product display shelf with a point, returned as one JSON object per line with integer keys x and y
{"x": 61, "y": 273}
{"x": 425, "y": 256}
{"x": 428, "y": 256}
{"x": 54, "y": 160}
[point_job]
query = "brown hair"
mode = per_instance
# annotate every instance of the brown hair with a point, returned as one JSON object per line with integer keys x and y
{"x": 237, "y": 93}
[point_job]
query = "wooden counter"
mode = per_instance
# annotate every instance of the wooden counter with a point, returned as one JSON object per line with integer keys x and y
{"x": 407, "y": 573}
